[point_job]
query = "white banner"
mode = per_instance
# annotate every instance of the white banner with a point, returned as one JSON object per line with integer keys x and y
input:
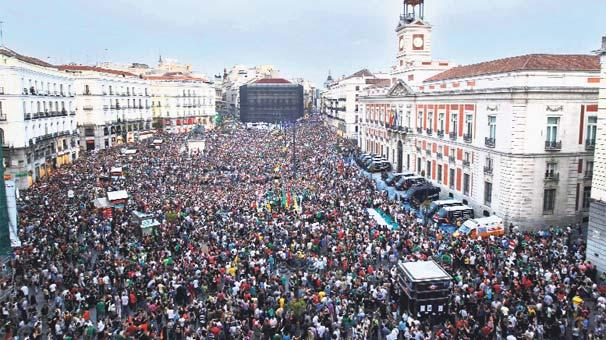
{"x": 11, "y": 206}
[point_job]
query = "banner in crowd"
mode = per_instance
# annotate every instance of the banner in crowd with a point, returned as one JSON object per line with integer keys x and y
{"x": 11, "y": 206}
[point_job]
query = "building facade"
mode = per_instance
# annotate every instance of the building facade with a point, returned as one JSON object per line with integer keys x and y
{"x": 113, "y": 107}
{"x": 271, "y": 100}
{"x": 181, "y": 102}
{"x": 37, "y": 117}
{"x": 596, "y": 234}
{"x": 49, "y": 113}
{"x": 512, "y": 137}
{"x": 340, "y": 101}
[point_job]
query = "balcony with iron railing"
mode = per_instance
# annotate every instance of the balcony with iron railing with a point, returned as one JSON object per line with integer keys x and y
{"x": 553, "y": 145}
{"x": 467, "y": 137}
{"x": 453, "y": 135}
{"x": 590, "y": 144}
{"x": 3, "y": 117}
{"x": 439, "y": 155}
{"x": 429, "y": 132}
{"x": 551, "y": 176}
{"x": 451, "y": 159}
{"x": 488, "y": 170}
{"x": 428, "y": 152}
{"x": 419, "y": 130}
{"x": 27, "y": 116}
{"x": 489, "y": 142}
{"x": 466, "y": 163}
{"x": 440, "y": 133}
{"x": 588, "y": 174}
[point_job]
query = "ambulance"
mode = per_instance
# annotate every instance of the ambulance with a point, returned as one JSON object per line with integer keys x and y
{"x": 481, "y": 227}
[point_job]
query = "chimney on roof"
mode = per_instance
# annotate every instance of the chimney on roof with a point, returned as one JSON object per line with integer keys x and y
{"x": 604, "y": 43}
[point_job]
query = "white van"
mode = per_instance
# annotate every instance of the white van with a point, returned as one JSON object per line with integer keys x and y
{"x": 481, "y": 227}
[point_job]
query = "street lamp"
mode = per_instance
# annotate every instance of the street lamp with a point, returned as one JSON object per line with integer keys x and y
{"x": 294, "y": 150}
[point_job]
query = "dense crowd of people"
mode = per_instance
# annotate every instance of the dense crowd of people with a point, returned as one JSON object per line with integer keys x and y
{"x": 254, "y": 245}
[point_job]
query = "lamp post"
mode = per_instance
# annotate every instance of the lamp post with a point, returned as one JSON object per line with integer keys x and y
{"x": 294, "y": 150}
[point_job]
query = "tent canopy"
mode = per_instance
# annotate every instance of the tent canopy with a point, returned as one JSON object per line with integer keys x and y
{"x": 117, "y": 195}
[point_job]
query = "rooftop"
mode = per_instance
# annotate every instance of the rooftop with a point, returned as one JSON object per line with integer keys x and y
{"x": 12, "y": 54}
{"x": 361, "y": 73}
{"x": 272, "y": 81}
{"x": 529, "y": 62}
{"x": 173, "y": 76}
{"x": 94, "y": 69}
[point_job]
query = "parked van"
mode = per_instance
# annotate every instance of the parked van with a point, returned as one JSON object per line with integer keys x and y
{"x": 369, "y": 161}
{"x": 482, "y": 227}
{"x": 406, "y": 183}
{"x": 421, "y": 193}
{"x": 435, "y": 206}
{"x": 363, "y": 158}
{"x": 451, "y": 218}
{"x": 394, "y": 178}
{"x": 379, "y": 166}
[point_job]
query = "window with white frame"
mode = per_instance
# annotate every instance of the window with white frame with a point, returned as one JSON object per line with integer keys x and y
{"x": 492, "y": 127}
{"x": 454, "y": 122}
{"x": 592, "y": 127}
{"x": 552, "y": 129}
{"x": 550, "y": 169}
{"x": 469, "y": 124}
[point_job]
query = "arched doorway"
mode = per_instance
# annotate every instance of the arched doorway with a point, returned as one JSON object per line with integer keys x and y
{"x": 399, "y": 156}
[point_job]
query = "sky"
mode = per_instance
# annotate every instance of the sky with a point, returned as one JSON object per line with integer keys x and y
{"x": 301, "y": 38}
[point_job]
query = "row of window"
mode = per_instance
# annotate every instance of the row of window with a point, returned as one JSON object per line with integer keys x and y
{"x": 549, "y": 197}
{"x": 202, "y": 101}
{"x": 121, "y": 90}
{"x": 41, "y": 87}
{"x": 551, "y": 136}
{"x": 46, "y": 106}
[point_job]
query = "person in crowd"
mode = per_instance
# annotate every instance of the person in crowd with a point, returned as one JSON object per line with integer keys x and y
{"x": 263, "y": 236}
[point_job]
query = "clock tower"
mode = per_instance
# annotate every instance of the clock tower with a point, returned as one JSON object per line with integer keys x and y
{"x": 414, "y": 35}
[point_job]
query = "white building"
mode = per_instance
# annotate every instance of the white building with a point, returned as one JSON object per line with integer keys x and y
{"x": 113, "y": 107}
{"x": 512, "y": 137}
{"x": 596, "y": 235}
{"x": 37, "y": 117}
{"x": 180, "y": 102}
{"x": 340, "y": 102}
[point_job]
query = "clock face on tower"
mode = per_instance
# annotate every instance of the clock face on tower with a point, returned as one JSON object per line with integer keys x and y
{"x": 418, "y": 41}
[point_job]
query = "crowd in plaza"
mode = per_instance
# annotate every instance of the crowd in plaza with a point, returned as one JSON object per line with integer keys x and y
{"x": 252, "y": 245}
